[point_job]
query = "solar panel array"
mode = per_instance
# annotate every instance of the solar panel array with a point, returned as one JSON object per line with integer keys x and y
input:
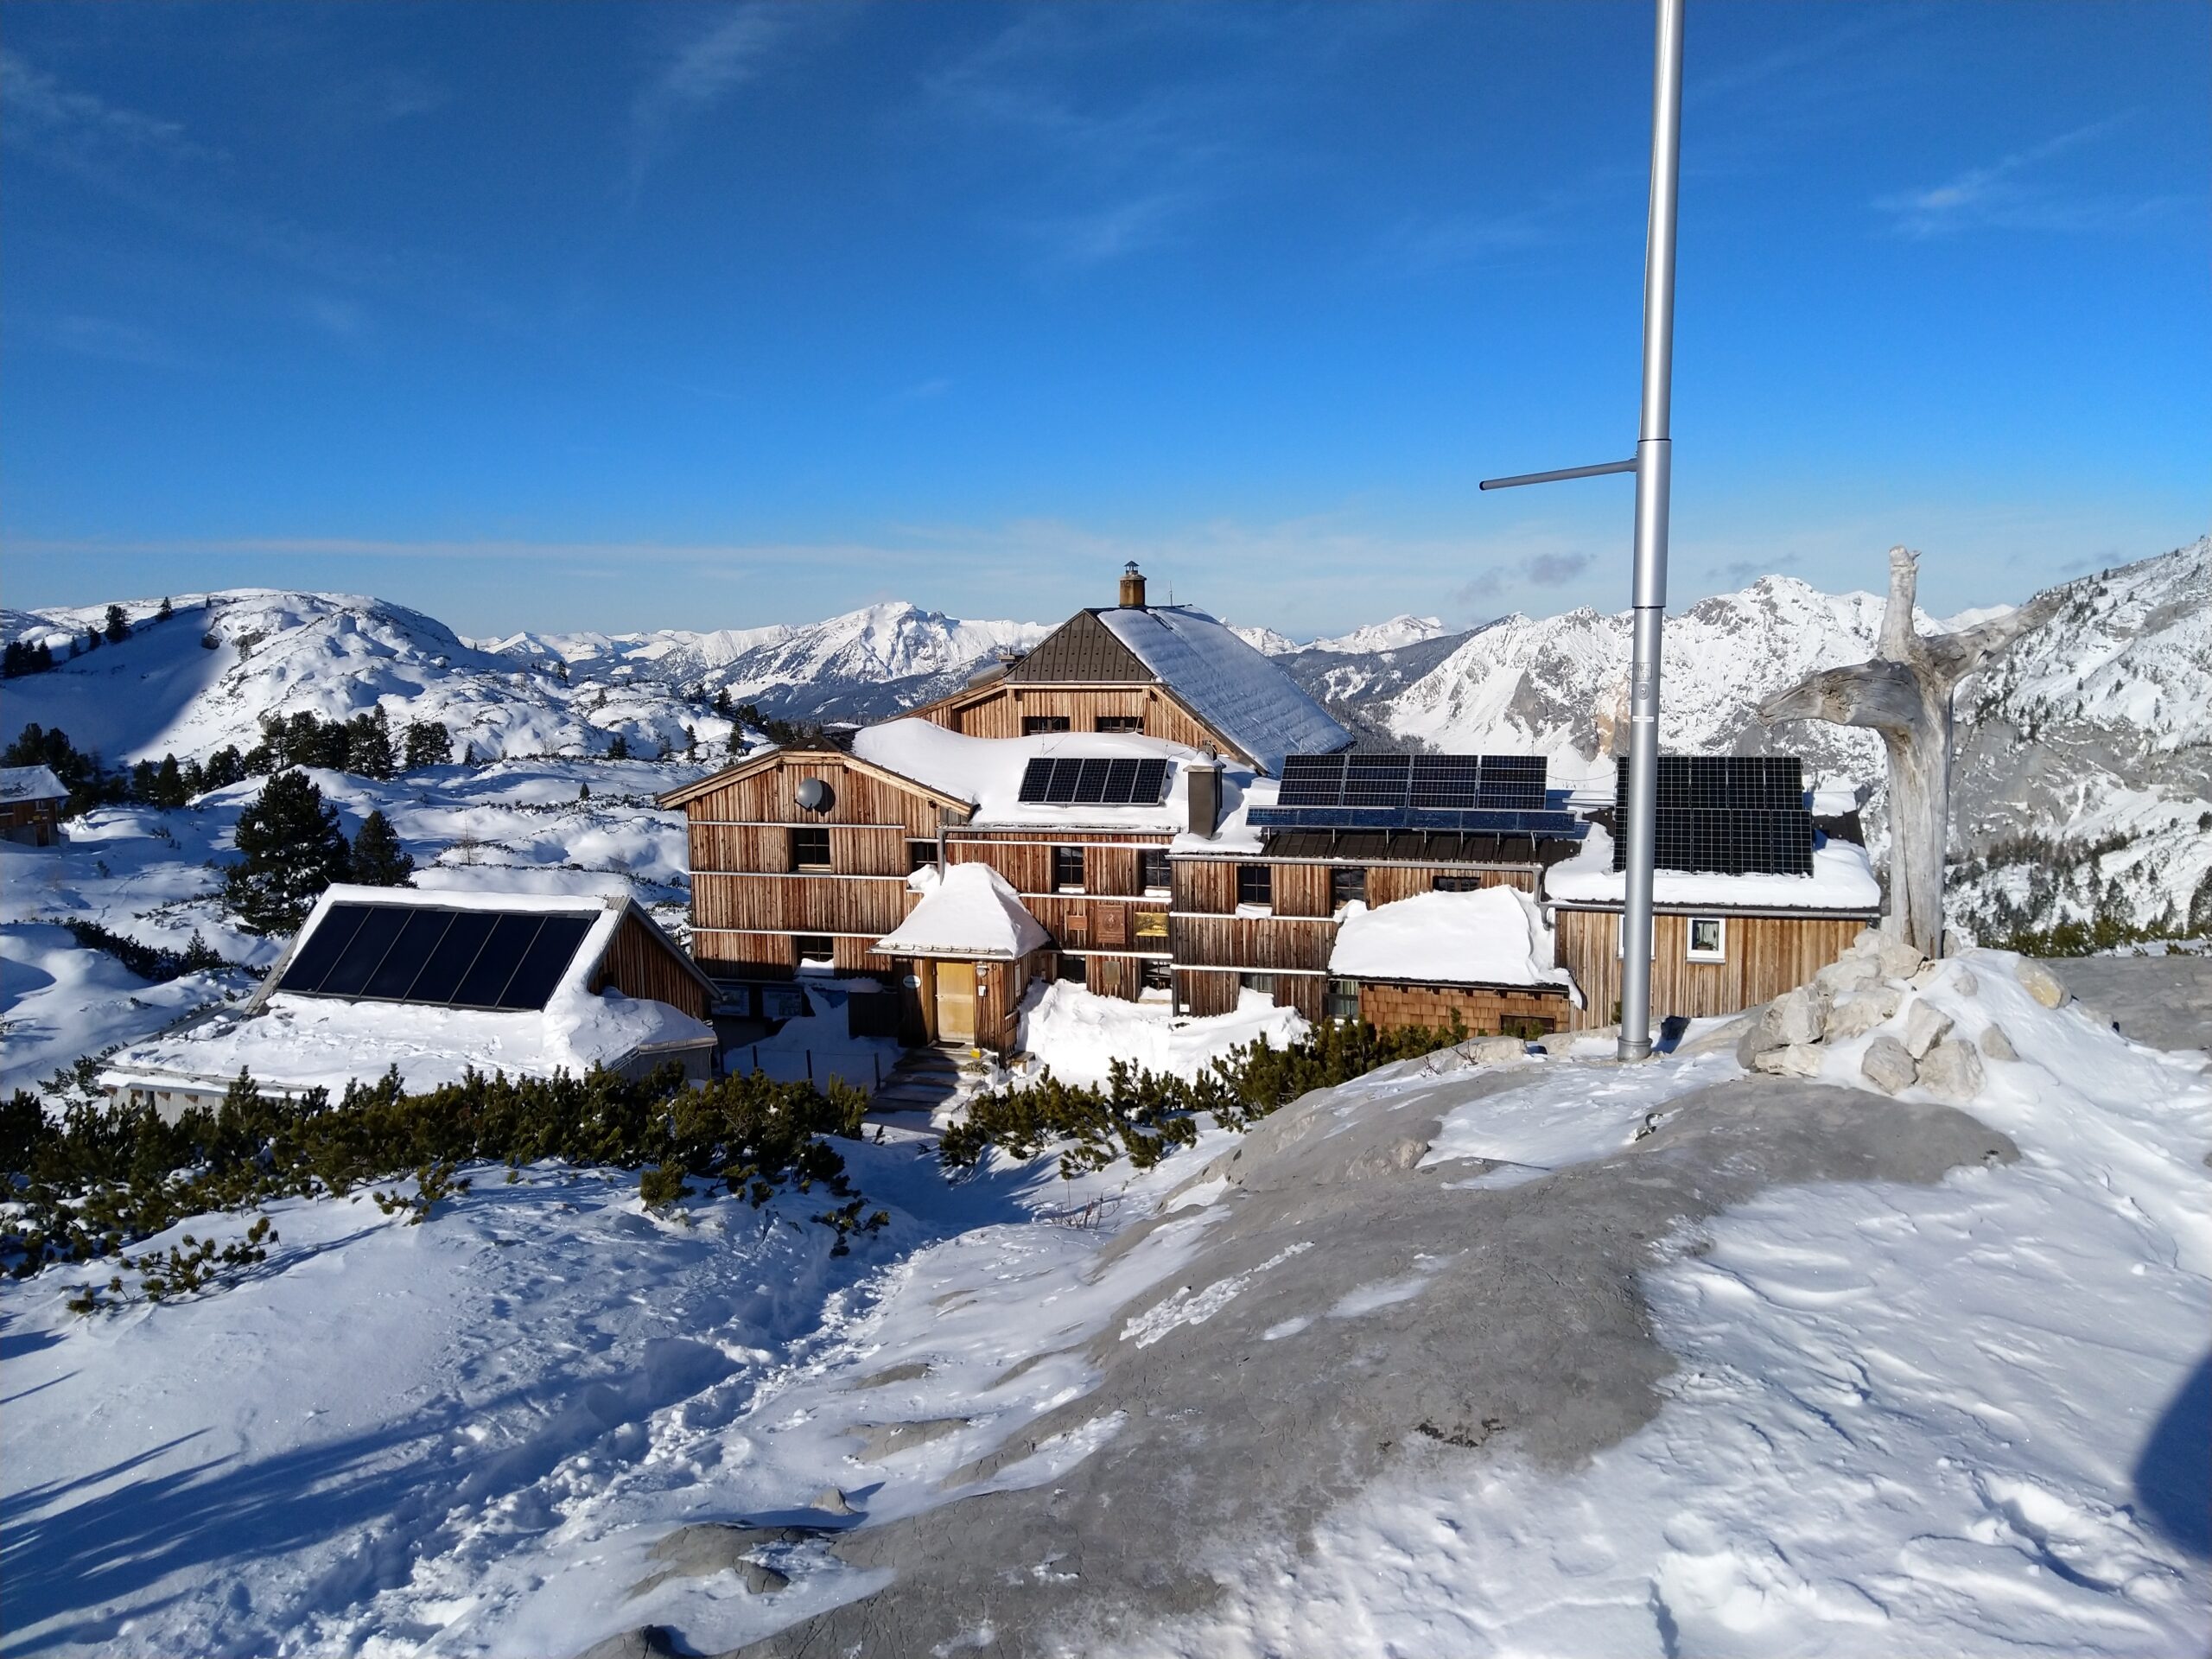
{"x": 505, "y": 960}
{"x": 1488, "y": 794}
{"x": 1093, "y": 781}
{"x": 1726, "y": 813}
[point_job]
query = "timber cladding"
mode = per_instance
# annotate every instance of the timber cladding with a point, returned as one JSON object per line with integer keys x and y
{"x": 768, "y": 796}
{"x": 1485, "y": 1011}
{"x": 1763, "y": 956}
{"x": 999, "y": 710}
{"x": 640, "y": 962}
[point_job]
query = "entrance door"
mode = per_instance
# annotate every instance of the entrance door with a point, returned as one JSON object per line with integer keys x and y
{"x": 955, "y": 1003}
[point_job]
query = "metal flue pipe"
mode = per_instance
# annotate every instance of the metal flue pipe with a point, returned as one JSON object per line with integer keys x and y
{"x": 1652, "y": 466}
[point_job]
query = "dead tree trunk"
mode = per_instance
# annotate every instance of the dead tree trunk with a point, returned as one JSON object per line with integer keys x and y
{"x": 1906, "y": 695}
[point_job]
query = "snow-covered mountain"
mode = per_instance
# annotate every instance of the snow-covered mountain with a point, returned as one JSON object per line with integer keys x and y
{"x": 2095, "y": 732}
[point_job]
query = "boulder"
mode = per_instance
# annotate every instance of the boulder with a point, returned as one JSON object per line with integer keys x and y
{"x": 1899, "y": 958}
{"x": 1790, "y": 1060}
{"x": 1887, "y": 1066}
{"x": 1953, "y": 1070}
{"x": 832, "y": 1501}
{"x": 1866, "y": 941}
{"x": 1759, "y": 1037}
{"x": 1800, "y": 1016}
{"x": 1997, "y": 1044}
{"x": 1925, "y": 1027}
{"x": 1965, "y": 983}
{"x": 646, "y": 1641}
{"x": 2041, "y": 984}
{"x": 1862, "y": 1011}
{"x": 1849, "y": 973}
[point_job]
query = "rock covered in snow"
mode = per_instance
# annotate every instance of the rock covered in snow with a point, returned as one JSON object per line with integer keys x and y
{"x": 1860, "y": 1012}
{"x": 1789, "y": 1061}
{"x": 1996, "y": 1044}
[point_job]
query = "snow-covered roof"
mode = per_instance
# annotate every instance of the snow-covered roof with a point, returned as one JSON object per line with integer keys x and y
{"x": 296, "y": 1042}
{"x": 1842, "y": 880}
{"x": 987, "y": 773}
{"x": 970, "y": 911}
{"x": 1495, "y": 935}
{"x": 31, "y": 783}
{"x": 1233, "y": 688}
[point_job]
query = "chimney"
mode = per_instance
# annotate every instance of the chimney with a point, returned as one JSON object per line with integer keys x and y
{"x": 1202, "y": 782}
{"x": 1132, "y": 587}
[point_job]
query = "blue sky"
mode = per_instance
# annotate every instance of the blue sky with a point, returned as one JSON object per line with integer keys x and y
{"x": 601, "y": 315}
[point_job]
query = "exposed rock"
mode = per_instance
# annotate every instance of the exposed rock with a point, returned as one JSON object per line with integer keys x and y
{"x": 1925, "y": 1025}
{"x": 911, "y": 1370}
{"x": 1965, "y": 983}
{"x": 1790, "y": 1060}
{"x": 1862, "y": 1011}
{"x": 1849, "y": 973}
{"x": 1997, "y": 1044}
{"x": 646, "y": 1641}
{"x": 1899, "y": 958}
{"x": 1887, "y": 1066}
{"x": 1800, "y": 1016}
{"x": 1867, "y": 942}
{"x": 1953, "y": 1070}
{"x": 2041, "y": 984}
{"x": 831, "y": 1500}
{"x": 1759, "y": 1037}
{"x": 705, "y": 1548}
{"x": 882, "y": 1440}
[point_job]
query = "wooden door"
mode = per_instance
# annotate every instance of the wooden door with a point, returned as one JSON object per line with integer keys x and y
{"x": 955, "y": 1003}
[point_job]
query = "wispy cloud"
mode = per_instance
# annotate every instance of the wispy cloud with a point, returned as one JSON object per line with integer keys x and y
{"x": 2016, "y": 193}
{"x": 74, "y": 127}
{"x": 705, "y": 67}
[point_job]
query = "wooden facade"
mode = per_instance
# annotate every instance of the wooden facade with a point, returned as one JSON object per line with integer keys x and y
{"x": 1483, "y": 1010}
{"x": 1763, "y": 956}
{"x": 999, "y": 708}
{"x": 643, "y": 963}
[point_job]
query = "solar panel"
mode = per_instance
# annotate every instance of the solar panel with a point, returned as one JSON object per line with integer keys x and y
{"x": 1442, "y": 780}
{"x": 487, "y": 977}
{"x": 396, "y": 973}
{"x": 1434, "y": 792}
{"x": 1514, "y": 782}
{"x": 451, "y": 956}
{"x": 1311, "y": 780}
{"x": 547, "y": 959}
{"x": 1727, "y": 814}
{"x": 320, "y": 950}
{"x": 1093, "y": 780}
{"x": 349, "y": 975}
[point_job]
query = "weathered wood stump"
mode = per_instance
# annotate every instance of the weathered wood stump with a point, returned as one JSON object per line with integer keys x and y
{"x": 1906, "y": 695}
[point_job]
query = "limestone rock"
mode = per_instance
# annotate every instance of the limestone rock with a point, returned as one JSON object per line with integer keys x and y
{"x": 1965, "y": 983}
{"x": 1790, "y": 1060}
{"x": 1887, "y": 1066}
{"x": 832, "y": 1501}
{"x": 2041, "y": 984}
{"x": 1925, "y": 1027}
{"x": 1997, "y": 1044}
{"x": 1849, "y": 973}
{"x": 1899, "y": 958}
{"x": 1867, "y": 942}
{"x": 1758, "y": 1037}
{"x": 1800, "y": 1016}
{"x": 646, "y": 1641}
{"x": 1953, "y": 1070}
{"x": 1862, "y": 1011}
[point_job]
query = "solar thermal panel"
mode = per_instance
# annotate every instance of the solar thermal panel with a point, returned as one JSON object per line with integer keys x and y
{"x": 319, "y": 951}
{"x": 349, "y": 975}
{"x": 484, "y": 983}
{"x": 395, "y": 976}
{"x": 547, "y": 959}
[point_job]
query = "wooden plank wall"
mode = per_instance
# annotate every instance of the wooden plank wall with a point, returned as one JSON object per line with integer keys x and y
{"x": 1482, "y": 1010}
{"x": 640, "y": 962}
{"x": 1767, "y": 955}
{"x": 1302, "y": 889}
{"x": 998, "y": 711}
{"x": 1204, "y": 991}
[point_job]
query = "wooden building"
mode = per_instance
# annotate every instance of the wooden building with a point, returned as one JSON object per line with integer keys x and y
{"x": 30, "y": 805}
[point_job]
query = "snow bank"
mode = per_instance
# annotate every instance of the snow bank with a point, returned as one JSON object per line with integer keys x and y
{"x": 1080, "y": 1034}
{"x": 1495, "y": 935}
{"x": 1842, "y": 880}
{"x": 969, "y": 911}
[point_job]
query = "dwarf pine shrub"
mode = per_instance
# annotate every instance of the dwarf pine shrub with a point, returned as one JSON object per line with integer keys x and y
{"x": 1142, "y": 1115}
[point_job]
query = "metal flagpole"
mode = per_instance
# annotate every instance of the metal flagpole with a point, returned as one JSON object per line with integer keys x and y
{"x": 1651, "y": 466}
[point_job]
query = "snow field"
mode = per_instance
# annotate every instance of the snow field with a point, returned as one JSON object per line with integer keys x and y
{"x": 1079, "y": 1035}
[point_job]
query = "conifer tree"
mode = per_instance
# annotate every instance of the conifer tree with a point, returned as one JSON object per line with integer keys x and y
{"x": 167, "y": 609}
{"x": 119, "y": 626}
{"x": 722, "y": 705}
{"x": 292, "y": 848}
{"x": 428, "y": 744}
{"x": 91, "y": 639}
{"x": 378, "y": 859}
{"x": 168, "y": 784}
{"x": 368, "y": 745}
{"x": 691, "y": 744}
{"x": 583, "y": 791}
{"x": 619, "y": 748}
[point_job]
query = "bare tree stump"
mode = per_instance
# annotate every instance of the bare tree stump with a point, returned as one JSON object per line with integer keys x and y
{"x": 1906, "y": 695}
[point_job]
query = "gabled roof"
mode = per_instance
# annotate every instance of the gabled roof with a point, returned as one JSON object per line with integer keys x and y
{"x": 769, "y": 759}
{"x": 989, "y": 772}
{"x": 19, "y": 784}
{"x": 1082, "y": 651}
{"x": 970, "y": 911}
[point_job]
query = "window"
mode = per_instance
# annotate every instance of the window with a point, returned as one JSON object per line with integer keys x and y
{"x": 811, "y": 850}
{"x": 1118, "y": 723}
{"x": 1151, "y": 929}
{"x": 1341, "y": 1002}
{"x": 1263, "y": 983}
{"x": 1256, "y": 885}
{"x": 1038, "y": 725}
{"x": 920, "y": 855}
{"x": 1153, "y": 874}
{"x": 1073, "y": 968}
{"x": 816, "y": 949}
{"x": 1708, "y": 938}
{"x": 1459, "y": 884}
{"x": 1345, "y": 886}
{"x": 1067, "y": 869}
{"x": 1157, "y": 977}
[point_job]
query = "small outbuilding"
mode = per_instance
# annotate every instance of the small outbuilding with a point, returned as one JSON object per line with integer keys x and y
{"x": 30, "y": 805}
{"x": 438, "y": 984}
{"x": 974, "y": 946}
{"x": 1484, "y": 957}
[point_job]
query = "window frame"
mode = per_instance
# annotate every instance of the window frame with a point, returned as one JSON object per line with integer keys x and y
{"x": 1718, "y": 950}
{"x": 920, "y": 855}
{"x": 1255, "y": 879}
{"x": 1334, "y": 994}
{"x": 1264, "y": 984}
{"x": 1074, "y": 970}
{"x": 1453, "y": 881}
{"x": 1148, "y": 859}
{"x": 1343, "y": 876}
{"x": 1061, "y": 855}
{"x": 1045, "y": 725}
{"x": 806, "y": 833}
{"x": 800, "y": 941}
{"x": 1125, "y": 725}
{"x": 1620, "y": 934}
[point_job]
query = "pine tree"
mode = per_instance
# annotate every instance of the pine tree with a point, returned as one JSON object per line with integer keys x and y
{"x": 91, "y": 639}
{"x": 691, "y": 744}
{"x": 45, "y": 655}
{"x": 225, "y": 767}
{"x": 619, "y": 748}
{"x": 368, "y": 745}
{"x": 470, "y": 758}
{"x": 722, "y": 705}
{"x": 292, "y": 848}
{"x": 378, "y": 859}
{"x": 428, "y": 744}
{"x": 167, "y": 609}
{"x": 168, "y": 784}
{"x": 119, "y": 626}
{"x": 583, "y": 791}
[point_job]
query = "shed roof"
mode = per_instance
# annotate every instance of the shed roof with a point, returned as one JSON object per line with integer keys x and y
{"x": 19, "y": 784}
{"x": 1842, "y": 883}
{"x": 1493, "y": 937}
{"x": 969, "y": 911}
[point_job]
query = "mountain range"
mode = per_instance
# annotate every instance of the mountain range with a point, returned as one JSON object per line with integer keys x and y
{"x": 2093, "y": 738}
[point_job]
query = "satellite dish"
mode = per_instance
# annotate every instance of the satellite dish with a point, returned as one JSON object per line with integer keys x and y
{"x": 814, "y": 794}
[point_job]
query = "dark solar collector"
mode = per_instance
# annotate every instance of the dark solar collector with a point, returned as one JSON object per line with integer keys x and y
{"x": 1093, "y": 781}
{"x": 1488, "y": 794}
{"x": 506, "y": 960}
